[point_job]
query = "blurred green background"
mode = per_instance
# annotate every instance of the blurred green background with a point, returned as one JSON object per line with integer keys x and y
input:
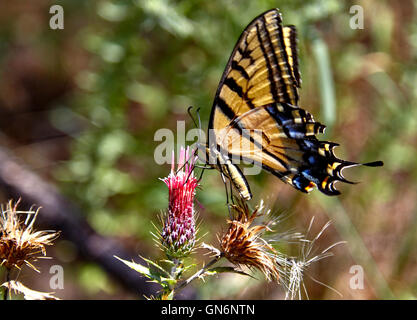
{"x": 80, "y": 106}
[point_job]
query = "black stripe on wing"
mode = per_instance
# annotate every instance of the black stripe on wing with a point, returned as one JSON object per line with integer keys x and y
{"x": 274, "y": 71}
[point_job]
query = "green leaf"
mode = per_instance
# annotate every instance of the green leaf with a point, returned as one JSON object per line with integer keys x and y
{"x": 151, "y": 273}
{"x": 163, "y": 271}
{"x": 137, "y": 267}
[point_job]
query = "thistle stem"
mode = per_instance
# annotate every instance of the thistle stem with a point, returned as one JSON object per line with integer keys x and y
{"x": 197, "y": 274}
{"x": 177, "y": 262}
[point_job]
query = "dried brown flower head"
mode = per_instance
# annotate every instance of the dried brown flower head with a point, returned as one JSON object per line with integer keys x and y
{"x": 19, "y": 242}
{"x": 243, "y": 245}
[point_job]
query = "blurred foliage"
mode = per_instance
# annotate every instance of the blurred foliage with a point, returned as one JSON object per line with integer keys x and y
{"x": 82, "y": 105}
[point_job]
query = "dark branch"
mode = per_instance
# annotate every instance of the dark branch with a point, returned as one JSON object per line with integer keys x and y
{"x": 60, "y": 214}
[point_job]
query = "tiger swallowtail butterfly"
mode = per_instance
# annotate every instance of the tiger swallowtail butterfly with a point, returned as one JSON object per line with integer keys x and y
{"x": 256, "y": 118}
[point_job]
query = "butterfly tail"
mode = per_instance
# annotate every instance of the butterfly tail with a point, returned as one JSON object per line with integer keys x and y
{"x": 323, "y": 168}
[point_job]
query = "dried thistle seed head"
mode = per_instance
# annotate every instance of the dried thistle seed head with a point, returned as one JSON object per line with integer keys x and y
{"x": 19, "y": 242}
{"x": 243, "y": 245}
{"x": 294, "y": 270}
{"x": 179, "y": 230}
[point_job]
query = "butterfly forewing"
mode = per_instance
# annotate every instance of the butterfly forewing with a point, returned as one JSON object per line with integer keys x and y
{"x": 262, "y": 69}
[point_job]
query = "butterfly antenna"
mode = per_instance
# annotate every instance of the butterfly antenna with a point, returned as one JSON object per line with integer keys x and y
{"x": 190, "y": 114}
{"x": 199, "y": 136}
{"x": 198, "y": 117}
{"x": 198, "y": 126}
{"x": 195, "y": 152}
{"x": 195, "y": 124}
{"x": 201, "y": 174}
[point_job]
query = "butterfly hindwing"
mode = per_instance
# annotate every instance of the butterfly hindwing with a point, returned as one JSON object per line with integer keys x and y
{"x": 281, "y": 138}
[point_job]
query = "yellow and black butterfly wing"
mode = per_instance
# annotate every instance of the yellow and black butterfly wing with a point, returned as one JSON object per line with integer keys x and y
{"x": 258, "y": 92}
{"x": 262, "y": 69}
{"x": 282, "y": 139}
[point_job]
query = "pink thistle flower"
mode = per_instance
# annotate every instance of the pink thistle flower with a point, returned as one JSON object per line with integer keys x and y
{"x": 179, "y": 230}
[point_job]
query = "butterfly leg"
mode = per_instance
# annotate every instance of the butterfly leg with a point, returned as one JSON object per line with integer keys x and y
{"x": 203, "y": 167}
{"x": 231, "y": 192}
{"x": 227, "y": 192}
{"x": 194, "y": 166}
{"x": 201, "y": 175}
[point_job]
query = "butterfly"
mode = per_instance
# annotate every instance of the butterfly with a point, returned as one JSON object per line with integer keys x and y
{"x": 256, "y": 118}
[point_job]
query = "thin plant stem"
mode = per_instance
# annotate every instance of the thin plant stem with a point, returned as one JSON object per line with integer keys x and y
{"x": 198, "y": 273}
{"x": 177, "y": 262}
{"x": 174, "y": 267}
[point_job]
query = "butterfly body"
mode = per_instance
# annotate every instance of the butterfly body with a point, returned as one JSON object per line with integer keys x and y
{"x": 256, "y": 118}
{"x": 221, "y": 161}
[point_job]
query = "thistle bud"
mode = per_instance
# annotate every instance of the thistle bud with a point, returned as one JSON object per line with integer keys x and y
{"x": 178, "y": 230}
